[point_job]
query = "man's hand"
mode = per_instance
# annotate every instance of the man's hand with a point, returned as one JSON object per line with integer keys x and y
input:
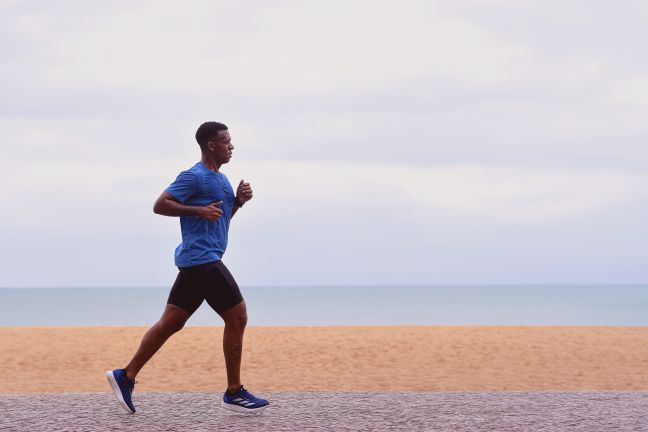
{"x": 212, "y": 212}
{"x": 244, "y": 192}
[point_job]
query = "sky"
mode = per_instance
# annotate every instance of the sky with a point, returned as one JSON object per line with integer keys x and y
{"x": 409, "y": 142}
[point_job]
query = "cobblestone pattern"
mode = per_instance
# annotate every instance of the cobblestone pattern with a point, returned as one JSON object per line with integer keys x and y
{"x": 451, "y": 411}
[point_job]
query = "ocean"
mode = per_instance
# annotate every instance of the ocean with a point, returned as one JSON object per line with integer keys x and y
{"x": 615, "y": 305}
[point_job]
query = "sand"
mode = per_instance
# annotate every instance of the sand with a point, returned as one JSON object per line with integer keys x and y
{"x": 401, "y": 358}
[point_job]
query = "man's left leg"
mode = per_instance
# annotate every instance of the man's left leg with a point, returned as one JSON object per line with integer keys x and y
{"x": 235, "y": 321}
{"x": 236, "y": 397}
{"x": 223, "y": 295}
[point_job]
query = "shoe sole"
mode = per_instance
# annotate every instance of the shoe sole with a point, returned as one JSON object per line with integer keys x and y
{"x": 240, "y": 409}
{"x": 117, "y": 391}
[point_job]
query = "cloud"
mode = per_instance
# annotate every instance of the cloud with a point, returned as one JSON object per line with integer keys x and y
{"x": 449, "y": 83}
{"x": 331, "y": 192}
{"x": 357, "y": 216}
{"x": 419, "y": 131}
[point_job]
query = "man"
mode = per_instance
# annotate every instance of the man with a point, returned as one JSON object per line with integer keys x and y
{"x": 204, "y": 200}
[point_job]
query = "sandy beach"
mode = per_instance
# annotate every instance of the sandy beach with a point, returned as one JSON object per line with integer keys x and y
{"x": 402, "y": 358}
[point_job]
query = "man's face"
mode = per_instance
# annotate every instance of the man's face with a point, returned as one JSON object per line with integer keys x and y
{"x": 221, "y": 147}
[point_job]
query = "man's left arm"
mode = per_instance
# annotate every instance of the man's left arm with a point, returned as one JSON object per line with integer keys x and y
{"x": 243, "y": 195}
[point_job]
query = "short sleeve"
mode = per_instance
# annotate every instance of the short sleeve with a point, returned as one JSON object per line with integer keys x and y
{"x": 184, "y": 187}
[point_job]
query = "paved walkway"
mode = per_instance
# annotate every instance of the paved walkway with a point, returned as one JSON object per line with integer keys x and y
{"x": 451, "y": 411}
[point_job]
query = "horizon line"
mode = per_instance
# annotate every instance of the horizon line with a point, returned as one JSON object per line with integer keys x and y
{"x": 415, "y": 285}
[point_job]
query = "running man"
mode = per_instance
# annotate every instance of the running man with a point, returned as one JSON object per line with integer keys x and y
{"x": 204, "y": 200}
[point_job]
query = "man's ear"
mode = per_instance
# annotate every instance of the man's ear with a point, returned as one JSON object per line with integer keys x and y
{"x": 211, "y": 145}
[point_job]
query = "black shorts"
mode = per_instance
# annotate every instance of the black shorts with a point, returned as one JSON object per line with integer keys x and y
{"x": 210, "y": 281}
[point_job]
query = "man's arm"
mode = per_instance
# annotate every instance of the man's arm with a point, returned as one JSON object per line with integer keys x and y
{"x": 235, "y": 209}
{"x": 167, "y": 205}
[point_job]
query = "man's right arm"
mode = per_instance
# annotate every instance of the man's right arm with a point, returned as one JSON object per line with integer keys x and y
{"x": 167, "y": 205}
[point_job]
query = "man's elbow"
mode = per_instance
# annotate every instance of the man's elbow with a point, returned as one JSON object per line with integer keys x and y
{"x": 158, "y": 207}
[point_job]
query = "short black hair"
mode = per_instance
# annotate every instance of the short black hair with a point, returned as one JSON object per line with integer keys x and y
{"x": 207, "y": 131}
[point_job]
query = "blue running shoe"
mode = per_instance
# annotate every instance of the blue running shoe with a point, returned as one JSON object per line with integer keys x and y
{"x": 244, "y": 402}
{"x": 122, "y": 387}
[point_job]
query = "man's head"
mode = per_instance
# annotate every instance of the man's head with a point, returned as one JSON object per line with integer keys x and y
{"x": 214, "y": 140}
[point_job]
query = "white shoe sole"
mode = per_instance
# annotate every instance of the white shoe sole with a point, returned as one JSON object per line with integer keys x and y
{"x": 115, "y": 388}
{"x": 240, "y": 409}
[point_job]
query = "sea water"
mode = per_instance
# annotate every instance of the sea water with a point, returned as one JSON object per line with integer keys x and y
{"x": 621, "y": 305}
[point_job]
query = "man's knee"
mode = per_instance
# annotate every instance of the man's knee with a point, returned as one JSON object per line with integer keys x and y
{"x": 177, "y": 325}
{"x": 237, "y": 320}
{"x": 173, "y": 320}
{"x": 171, "y": 326}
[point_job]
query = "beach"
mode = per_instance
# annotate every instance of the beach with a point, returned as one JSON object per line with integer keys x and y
{"x": 379, "y": 359}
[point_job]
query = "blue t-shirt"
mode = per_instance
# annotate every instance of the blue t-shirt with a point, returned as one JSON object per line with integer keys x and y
{"x": 202, "y": 241}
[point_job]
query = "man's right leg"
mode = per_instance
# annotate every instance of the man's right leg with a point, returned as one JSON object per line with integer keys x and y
{"x": 172, "y": 321}
{"x": 185, "y": 297}
{"x": 122, "y": 381}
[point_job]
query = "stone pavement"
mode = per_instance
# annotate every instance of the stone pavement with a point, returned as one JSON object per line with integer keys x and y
{"x": 313, "y": 411}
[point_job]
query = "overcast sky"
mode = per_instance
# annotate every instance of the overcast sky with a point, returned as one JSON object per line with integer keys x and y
{"x": 405, "y": 142}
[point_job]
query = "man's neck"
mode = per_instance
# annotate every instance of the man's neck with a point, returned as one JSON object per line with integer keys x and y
{"x": 210, "y": 163}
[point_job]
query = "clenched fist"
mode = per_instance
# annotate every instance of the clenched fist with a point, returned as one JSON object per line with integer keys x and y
{"x": 212, "y": 212}
{"x": 244, "y": 192}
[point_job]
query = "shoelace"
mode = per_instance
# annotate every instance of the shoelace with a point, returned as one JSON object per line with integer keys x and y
{"x": 131, "y": 384}
{"x": 248, "y": 395}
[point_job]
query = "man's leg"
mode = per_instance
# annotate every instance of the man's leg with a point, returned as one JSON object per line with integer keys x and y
{"x": 224, "y": 296}
{"x": 173, "y": 319}
{"x": 235, "y": 321}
